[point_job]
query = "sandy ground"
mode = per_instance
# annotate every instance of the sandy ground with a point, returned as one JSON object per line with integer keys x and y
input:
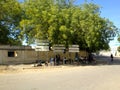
{"x": 21, "y": 68}
{"x": 16, "y": 69}
{"x": 102, "y": 77}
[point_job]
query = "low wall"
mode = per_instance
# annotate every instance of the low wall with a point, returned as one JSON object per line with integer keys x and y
{"x": 30, "y": 55}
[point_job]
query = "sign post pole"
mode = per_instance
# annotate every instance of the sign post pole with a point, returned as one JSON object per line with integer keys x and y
{"x": 42, "y": 45}
{"x": 58, "y": 48}
{"x": 73, "y": 49}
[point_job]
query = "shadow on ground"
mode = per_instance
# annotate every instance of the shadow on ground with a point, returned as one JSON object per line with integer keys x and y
{"x": 106, "y": 60}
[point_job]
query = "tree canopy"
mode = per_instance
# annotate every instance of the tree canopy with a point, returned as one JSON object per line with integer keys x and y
{"x": 59, "y": 21}
{"x": 10, "y": 16}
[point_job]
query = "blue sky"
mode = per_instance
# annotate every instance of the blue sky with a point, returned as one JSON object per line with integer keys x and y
{"x": 110, "y": 10}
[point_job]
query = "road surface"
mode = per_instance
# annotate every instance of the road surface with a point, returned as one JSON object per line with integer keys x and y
{"x": 101, "y": 77}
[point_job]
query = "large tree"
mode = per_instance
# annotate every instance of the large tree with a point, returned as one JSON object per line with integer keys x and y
{"x": 97, "y": 31}
{"x": 62, "y": 22}
{"x": 10, "y": 13}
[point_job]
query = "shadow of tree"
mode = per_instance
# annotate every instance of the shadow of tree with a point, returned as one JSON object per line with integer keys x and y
{"x": 106, "y": 60}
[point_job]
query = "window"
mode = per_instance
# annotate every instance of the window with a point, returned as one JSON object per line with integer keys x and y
{"x": 12, "y": 54}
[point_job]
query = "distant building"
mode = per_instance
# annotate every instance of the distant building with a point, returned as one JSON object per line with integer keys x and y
{"x": 105, "y": 53}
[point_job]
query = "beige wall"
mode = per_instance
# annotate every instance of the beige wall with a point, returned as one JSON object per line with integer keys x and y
{"x": 30, "y": 56}
{"x": 23, "y": 56}
{"x": 1, "y": 57}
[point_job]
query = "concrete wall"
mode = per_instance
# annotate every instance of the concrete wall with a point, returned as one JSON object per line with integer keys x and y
{"x": 25, "y": 54}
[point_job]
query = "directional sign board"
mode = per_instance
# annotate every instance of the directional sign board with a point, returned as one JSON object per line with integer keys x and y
{"x": 58, "y": 48}
{"x": 42, "y": 48}
{"x": 74, "y": 48}
{"x": 42, "y": 45}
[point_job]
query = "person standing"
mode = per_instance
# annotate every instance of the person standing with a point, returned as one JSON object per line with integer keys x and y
{"x": 51, "y": 61}
{"x": 64, "y": 60}
{"x": 111, "y": 57}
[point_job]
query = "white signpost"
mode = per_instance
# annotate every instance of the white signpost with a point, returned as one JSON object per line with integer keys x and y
{"x": 42, "y": 48}
{"x": 74, "y": 48}
{"x": 58, "y": 48}
{"x": 42, "y": 45}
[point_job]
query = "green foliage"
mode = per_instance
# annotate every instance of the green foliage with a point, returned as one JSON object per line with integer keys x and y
{"x": 10, "y": 13}
{"x": 118, "y": 49}
{"x": 59, "y": 21}
{"x": 119, "y": 38}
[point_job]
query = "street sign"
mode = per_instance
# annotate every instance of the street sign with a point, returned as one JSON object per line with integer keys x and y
{"x": 42, "y": 44}
{"x": 58, "y": 48}
{"x": 42, "y": 48}
{"x": 74, "y": 48}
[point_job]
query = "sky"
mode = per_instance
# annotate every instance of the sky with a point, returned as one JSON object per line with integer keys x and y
{"x": 110, "y": 10}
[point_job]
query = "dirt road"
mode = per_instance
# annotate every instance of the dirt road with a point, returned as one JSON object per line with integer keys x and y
{"x": 101, "y": 77}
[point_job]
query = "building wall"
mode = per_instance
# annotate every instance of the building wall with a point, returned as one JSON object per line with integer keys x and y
{"x": 16, "y": 54}
{"x": 29, "y": 55}
{"x": 23, "y": 56}
{"x": 1, "y": 57}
